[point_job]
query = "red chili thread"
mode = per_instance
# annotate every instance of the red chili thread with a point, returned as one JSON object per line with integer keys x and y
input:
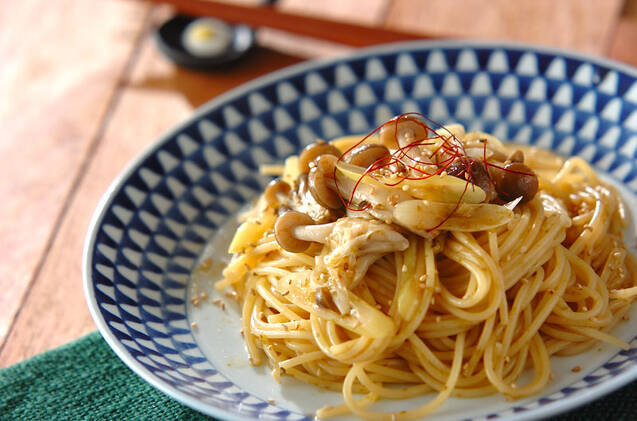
{"x": 450, "y": 148}
{"x": 401, "y": 156}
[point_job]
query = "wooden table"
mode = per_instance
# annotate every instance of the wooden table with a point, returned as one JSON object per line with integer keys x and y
{"x": 84, "y": 89}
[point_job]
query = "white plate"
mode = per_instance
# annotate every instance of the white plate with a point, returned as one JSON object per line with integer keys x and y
{"x": 154, "y": 222}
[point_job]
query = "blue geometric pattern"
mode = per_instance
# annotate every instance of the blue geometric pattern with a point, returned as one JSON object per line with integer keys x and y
{"x": 153, "y": 224}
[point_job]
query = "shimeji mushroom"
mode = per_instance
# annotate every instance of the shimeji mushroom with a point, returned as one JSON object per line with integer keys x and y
{"x": 321, "y": 182}
{"x": 367, "y": 154}
{"x": 275, "y": 190}
{"x": 313, "y": 151}
{"x": 514, "y": 180}
{"x": 401, "y": 131}
{"x": 295, "y": 231}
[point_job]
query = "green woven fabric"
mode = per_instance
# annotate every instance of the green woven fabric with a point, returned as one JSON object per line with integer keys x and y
{"x": 85, "y": 380}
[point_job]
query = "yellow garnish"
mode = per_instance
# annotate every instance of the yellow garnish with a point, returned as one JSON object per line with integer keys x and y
{"x": 203, "y": 33}
{"x": 251, "y": 231}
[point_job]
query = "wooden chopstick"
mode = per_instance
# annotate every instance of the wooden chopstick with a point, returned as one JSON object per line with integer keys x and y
{"x": 268, "y": 16}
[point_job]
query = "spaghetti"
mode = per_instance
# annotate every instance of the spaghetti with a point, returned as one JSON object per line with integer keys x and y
{"x": 424, "y": 275}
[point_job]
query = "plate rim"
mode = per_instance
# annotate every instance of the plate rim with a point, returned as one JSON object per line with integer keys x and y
{"x": 565, "y": 404}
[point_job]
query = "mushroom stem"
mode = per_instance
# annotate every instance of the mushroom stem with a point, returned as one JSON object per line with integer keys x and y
{"x": 314, "y": 233}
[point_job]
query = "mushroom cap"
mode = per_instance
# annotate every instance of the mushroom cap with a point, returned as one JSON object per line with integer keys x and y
{"x": 313, "y": 151}
{"x": 275, "y": 188}
{"x": 481, "y": 178}
{"x": 366, "y": 154}
{"x": 402, "y": 130}
{"x": 319, "y": 182}
{"x": 515, "y": 180}
{"x": 284, "y": 231}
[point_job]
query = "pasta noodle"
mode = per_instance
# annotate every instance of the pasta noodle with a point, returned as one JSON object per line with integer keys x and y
{"x": 458, "y": 309}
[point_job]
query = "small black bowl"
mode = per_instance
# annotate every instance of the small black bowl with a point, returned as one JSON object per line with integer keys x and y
{"x": 169, "y": 35}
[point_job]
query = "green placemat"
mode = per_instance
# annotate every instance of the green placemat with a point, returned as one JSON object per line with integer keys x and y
{"x": 86, "y": 380}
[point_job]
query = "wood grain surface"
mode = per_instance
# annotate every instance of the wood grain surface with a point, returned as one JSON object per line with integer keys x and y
{"x": 622, "y": 46}
{"x": 75, "y": 111}
{"x": 54, "y": 92}
{"x": 152, "y": 96}
{"x": 585, "y": 25}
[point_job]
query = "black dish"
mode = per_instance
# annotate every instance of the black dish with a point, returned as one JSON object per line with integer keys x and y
{"x": 168, "y": 37}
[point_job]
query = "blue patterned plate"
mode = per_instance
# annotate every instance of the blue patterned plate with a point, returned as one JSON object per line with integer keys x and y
{"x": 155, "y": 221}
